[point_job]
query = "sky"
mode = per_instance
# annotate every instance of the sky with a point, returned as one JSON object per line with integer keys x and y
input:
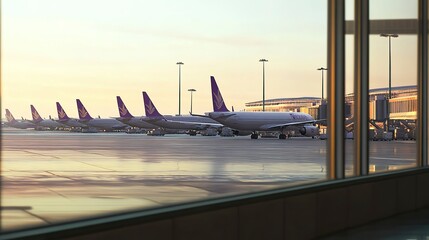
{"x": 60, "y": 50}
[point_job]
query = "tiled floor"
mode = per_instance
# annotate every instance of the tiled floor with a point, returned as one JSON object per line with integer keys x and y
{"x": 413, "y": 225}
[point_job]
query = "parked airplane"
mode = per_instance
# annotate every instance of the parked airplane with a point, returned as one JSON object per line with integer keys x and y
{"x": 49, "y": 123}
{"x": 126, "y": 117}
{"x": 260, "y": 121}
{"x": 64, "y": 119}
{"x": 108, "y": 124}
{"x": 11, "y": 122}
{"x": 176, "y": 122}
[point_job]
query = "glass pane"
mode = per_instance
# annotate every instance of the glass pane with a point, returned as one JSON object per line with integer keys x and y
{"x": 61, "y": 51}
{"x": 349, "y": 91}
{"x": 393, "y": 79}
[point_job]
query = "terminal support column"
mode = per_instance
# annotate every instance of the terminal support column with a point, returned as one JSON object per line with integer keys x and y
{"x": 336, "y": 40}
{"x": 422, "y": 85}
{"x": 361, "y": 85}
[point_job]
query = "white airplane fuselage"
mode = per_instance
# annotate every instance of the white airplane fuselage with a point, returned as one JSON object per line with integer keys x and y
{"x": 258, "y": 121}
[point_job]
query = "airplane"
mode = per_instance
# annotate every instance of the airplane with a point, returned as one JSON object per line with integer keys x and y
{"x": 126, "y": 117}
{"x": 11, "y": 122}
{"x": 176, "y": 122}
{"x": 40, "y": 122}
{"x": 107, "y": 124}
{"x": 64, "y": 119}
{"x": 260, "y": 121}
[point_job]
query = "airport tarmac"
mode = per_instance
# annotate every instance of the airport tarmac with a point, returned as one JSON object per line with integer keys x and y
{"x": 50, "y": 177}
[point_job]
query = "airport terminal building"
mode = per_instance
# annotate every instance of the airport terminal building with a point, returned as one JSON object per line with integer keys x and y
{"x": 403, "y": 105}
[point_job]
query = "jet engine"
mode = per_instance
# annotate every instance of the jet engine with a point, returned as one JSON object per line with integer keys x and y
{"x": 309, "y": 131}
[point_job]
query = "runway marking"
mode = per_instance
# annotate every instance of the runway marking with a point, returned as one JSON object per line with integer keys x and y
{"x": 56, "y": 175}
{"x": 40, "y": 154}
{"x": 93, "y": 165}
{"x": 86, "y": 152}
{"x": 57, "y": 193}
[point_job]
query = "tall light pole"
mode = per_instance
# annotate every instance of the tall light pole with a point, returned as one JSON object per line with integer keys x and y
{"x": 180, "y": 64}
{"x": 191, "y": 90}
{"x": 263, "y": 82}
{"x": 323, "y": 84}
{"x": 389, "y": 35}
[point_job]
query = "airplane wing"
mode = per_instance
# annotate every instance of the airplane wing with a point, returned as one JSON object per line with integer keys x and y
{"x": 226, "y": 115}
{"x": 268, "y": 127}
{"x": 120, "y": 127}
{"x": 223, "y": 115}
{"x": 198, "y": 115}
{"x": 152, "y": 119}
{"x": 28, "y": 121}
{"x": 59, "y": 121}
{"x": 201, "y": 125}
{"x": 121, "y": 119}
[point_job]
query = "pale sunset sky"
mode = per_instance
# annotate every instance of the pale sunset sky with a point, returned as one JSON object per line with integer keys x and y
{"x": 60, "y": 50}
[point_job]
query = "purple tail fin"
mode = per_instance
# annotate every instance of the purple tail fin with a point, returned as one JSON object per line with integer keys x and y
{"x": 218, "y": 103}
{"x": 83, "y": 114}
{"x": 149, "y": 108}
{"x": 123, "y": 111}
{"x": 9, "y": 116}
{"x": 35, "y": 114}
{"x": 62, "y": 115}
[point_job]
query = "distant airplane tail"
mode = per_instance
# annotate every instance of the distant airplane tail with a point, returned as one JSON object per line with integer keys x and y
{"x": 62, "y": 115}
{"x": 150, "y": 108}
{"x": 9, "y": 116}
{"x": 83, "y": 113}
{"x": 123, "y": 111}
{"x": 35, "y": 115}
{"x": 218, "y": 103}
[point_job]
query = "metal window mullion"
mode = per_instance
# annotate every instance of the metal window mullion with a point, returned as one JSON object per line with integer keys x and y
{"x": 422, "y": 85}
{"x": 336, "y": 66}
{"x": 361, "y": 85}
{"x": 1, "y": 130}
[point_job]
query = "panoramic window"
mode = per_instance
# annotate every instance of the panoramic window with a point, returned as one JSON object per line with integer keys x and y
{"x": 111, "y": 106}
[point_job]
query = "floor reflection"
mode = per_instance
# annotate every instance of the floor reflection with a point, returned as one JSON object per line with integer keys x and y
{"x": 62, "y": 176}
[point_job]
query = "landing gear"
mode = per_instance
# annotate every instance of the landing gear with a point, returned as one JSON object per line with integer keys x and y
{"x": 254, "y": 136}
{"x": 282, "y": 136}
